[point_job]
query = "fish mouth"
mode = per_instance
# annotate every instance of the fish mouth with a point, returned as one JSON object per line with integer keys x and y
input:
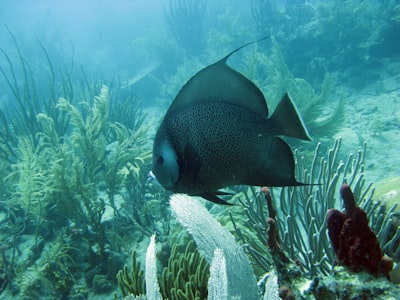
{"x": 152, "y": 178}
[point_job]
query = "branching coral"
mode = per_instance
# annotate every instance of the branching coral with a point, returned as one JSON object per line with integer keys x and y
{"x": 185, "y": 277}
{"x": 301, "y": 210}
{"x": 63, "y": 165}
{"x": 304, "y": 209}
{"x": 31, "y": 185}
{"x": 68, "y": 181}
{"x": 89, "y": 142}
{"x": 132, "y": 282}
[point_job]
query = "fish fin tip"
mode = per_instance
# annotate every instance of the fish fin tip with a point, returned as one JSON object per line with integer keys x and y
{"x": 304, "y": 184}
{"x": 287, "y": 121}
{"x": 214, "y": 198}
{"x": 224, "y": 59}
{"x": 222, "y": 193}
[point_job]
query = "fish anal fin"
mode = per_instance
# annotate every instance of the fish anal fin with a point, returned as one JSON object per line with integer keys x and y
{"x": 286, "y": 120}
{"x": 214, "y": 198}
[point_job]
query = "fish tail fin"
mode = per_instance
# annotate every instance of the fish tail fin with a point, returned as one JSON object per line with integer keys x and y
{"x": 286, "y": 120}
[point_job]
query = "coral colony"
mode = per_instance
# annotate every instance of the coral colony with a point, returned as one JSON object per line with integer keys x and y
{"x": 355, "y": 245}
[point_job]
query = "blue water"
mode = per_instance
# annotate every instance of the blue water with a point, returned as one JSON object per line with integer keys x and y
{"x": 339, "y": 60}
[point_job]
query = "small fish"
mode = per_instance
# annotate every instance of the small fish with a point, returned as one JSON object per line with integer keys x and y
{"x": 142, "y": 74}
{"x": 216, "y": 134}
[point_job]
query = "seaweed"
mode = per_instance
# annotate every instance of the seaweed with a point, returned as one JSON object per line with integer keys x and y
{"x": 30, "y": 99}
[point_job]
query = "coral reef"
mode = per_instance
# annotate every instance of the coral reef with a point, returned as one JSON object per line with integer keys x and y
{"x": 361, "y": 38}
{"x": 58, "y": 193}
{"x": 74, "y": 158}
{"x": 387, "y": 193}
{"x": 355, "y": 245}
{"x": 301, "y": 211}
{"x": 185, "y": 276}
{"x": 344, "y": 285}
{"x": 286, "y": 279}
{"x": 296, "y": 229}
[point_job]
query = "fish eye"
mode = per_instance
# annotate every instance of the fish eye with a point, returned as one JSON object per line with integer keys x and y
{"x": 160, "y": 160}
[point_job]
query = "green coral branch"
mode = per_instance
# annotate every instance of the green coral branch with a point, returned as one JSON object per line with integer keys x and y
{"x": 185, "y": 277}
{"x": 302, "y": 210}
{"x": 132, "y": 282}
{"x": 186, "y": 274}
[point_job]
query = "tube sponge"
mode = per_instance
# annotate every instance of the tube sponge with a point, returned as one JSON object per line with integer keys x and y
{"x": 152, "y": 288}
{"x": 218, "y": 282}
{"x": 210, "y": 235}
{"x": 272, "y": 287}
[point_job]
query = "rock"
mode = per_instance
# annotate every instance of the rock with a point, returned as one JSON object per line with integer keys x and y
{"x": 101, "y": 284}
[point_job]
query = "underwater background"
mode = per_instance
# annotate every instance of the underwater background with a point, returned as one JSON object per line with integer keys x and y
{"x": 84, "y": 86}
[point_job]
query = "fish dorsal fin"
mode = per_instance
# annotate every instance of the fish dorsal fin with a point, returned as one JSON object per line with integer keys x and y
{"x": 220, "y": 83}
{"x": 287, "y": 121}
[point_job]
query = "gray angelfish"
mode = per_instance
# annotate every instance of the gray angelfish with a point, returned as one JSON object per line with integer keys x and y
{"x": 216, "y": 134}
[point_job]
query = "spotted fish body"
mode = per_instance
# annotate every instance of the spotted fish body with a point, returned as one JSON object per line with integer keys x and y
{"x": 216, "y": 134}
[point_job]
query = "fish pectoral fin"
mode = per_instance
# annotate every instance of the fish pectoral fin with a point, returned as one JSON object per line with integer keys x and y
{"x": 286, "y": 120}
{"x": 222, "y": 193}
{"x": 213, "y": 198}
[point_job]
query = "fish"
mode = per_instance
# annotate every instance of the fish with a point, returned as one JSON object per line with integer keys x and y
{"x": 217, "y": 133}
{"x": 141, "y": 74}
